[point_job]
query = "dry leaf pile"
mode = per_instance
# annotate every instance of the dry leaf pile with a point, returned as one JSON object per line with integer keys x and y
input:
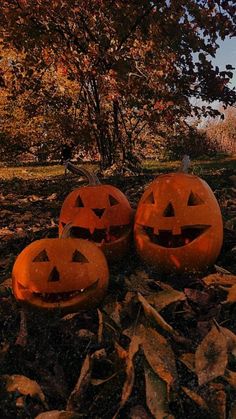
{"x": 158, "y": 347}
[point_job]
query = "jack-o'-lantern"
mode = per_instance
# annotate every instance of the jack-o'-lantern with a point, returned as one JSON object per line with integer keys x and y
{"x": 99, "y": 213}
{"x": 65, "y": 274}
{"x": 178, "y": 224}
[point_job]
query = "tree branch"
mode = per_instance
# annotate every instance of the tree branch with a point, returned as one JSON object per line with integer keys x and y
{"x": 139, "y": 19}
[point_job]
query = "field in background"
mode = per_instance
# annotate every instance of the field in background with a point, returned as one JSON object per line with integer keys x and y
{"x": 149, "y": 166}
{"x": 35, "y": 172}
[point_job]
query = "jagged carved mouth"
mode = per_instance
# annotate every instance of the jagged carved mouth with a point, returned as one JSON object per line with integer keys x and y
{"x": 99, "y": 235}
{"x": 61, "y": 296}
{"x": 166, "y": 238}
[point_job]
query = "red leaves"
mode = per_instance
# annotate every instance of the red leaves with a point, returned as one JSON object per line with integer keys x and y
{"x": 161, "y": 105}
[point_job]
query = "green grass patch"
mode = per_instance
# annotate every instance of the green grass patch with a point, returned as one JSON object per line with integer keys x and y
{"x": 34, "y": 172}
{"x": 198, "y": 167}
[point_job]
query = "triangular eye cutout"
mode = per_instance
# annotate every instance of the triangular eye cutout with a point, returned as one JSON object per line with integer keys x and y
{"x": 150, "y": 199}
{"x": 41, "y": 257}
{"x": 194, "y": 199}
{"x": 78, "y": 257}
{"x": 54, "y": 275}
{"x": 79, "y": 202}
{"x": 169, "y": 211}
{"x": 112, "y": 200}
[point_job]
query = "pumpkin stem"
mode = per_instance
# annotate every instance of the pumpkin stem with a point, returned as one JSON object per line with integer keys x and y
{"x": 66, "y": 231}
{"x": 185, "y": 163}
{"x": 90, "y": 176}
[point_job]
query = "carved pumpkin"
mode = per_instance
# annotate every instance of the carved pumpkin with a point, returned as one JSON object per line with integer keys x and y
{"x": 68, "y": 274}
{"x": 99, "y": 213}
{"x": 178, "y": 224}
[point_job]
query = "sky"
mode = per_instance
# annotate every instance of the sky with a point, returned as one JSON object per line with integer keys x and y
{"x": 226, "y": 54}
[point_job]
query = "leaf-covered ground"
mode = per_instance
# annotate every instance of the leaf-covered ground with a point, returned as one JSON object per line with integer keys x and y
{"x": 158, "y": 346}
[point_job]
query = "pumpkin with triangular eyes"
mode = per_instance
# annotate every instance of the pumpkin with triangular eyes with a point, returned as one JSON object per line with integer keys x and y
{"x": 102, "y": 214}
{"x": 65, "y": 274}
{"x": 178, "y": 224}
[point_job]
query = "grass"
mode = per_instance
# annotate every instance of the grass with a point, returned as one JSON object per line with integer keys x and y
{"x": 150, "y": 166}
{"x": 33, "y": 172}
{"x": 197, "y": 166}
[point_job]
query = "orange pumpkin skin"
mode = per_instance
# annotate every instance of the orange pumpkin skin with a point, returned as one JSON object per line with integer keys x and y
{"x": 65, "y": 274}
{"x": 178, "y": 225}
{"x": 102, "y": 214}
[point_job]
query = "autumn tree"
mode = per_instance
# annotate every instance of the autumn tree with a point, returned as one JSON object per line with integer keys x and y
{"x": 135, "y": 65}
{"x": 41, "y": 120}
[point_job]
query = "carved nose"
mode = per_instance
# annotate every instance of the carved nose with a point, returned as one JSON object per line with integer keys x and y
{"x": 54, "y": 275}
{"x": 169, "y": 211}
{"x": 99, "y": 212}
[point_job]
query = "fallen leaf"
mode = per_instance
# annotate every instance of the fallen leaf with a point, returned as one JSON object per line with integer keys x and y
{"x": 195, "y": 397}
{"x": 138, "y": 282}
{"x": 231, "y": 224}
{"x": 133, "y": 349}
{"x": 201, "y": 298}
{"x": 23, "y": 332}
{"x": 163, "y": 285}
{"x": 138, "y": 412}
{"x": 99, "y": 354}
{"x": 220, "y": 279}
{"x": 164, "y": 298}
{"x": 114, "y": 309}
{"x": 27, "y": 216}
{"x": 6, "y": 261}
{"x": 230, "y": 377}
{"x": 121, "y": 352}
{"x": 6, "y": 232}
{"x": 217, "y": 401}
{"x": 222, "y": 270}
{"x": 23, "y": 385}
{"x": 76, "y": 396}
{"x": 188, "y": 359}
{"x": 211, "y": 356}
{"x": 52, "y": 197}
{"x": 34, "y": 198}
{"x": 98, "y": 382}
{"x": 230, "y": 339}
{"x": 231, "y": 297}
{"x": 151, "y": 312}
{"x": 100, "y": 325}
{"x": 156, "y": 395}
{"x": 69, "y": 316}
{"x": 6, "y": 288}
{"x": 130, "y": 372}
{"x": 20, "y": 233}
{"x": 4, "y": 213}
{"x": 159, "y": 354}
{"x": 58, "y": 414}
